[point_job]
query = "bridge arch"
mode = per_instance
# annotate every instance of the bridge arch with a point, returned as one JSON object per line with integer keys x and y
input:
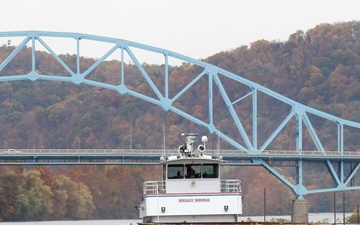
{"x": 215, "y": 78}
{"x": 243, "y": 136}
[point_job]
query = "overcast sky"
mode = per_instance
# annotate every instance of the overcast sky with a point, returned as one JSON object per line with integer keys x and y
{"x": 195, "y": 28}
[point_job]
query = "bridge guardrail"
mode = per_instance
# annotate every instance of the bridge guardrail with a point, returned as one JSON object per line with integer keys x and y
{"x": 224, "y": 152}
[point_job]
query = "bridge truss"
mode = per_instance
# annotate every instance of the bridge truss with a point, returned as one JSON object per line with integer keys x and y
{"x": 244, "y": 135}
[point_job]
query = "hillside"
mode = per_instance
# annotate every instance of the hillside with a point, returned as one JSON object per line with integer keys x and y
{"x": 319, "y": 68}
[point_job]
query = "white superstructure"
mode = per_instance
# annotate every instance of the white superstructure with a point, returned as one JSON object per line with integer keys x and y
{"x": 191, "y": 189}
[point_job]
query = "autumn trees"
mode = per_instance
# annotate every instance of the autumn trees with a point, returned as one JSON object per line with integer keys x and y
{"x": 71, "y": 193}
{"x": 319, "y": 68}
{"x": 26, "y": 196}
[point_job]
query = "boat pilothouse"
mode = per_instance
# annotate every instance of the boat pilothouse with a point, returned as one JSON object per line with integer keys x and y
{"x": 191, "y": 189}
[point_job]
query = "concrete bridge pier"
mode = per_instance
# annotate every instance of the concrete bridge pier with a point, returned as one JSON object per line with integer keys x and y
{"x": 299, "y": 211}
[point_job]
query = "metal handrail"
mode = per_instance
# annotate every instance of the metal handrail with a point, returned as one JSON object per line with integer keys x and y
{"x": 223, "y": 152}
{"x": 158, "y": 187}
{"x": 233, "y": 185}
{"x": 154, "y": 187}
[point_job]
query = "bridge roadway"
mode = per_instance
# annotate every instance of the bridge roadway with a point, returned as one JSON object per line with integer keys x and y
{"x": 152, "y": 156}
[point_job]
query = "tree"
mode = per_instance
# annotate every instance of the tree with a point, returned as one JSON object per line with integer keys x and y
{"x": 33, "y": 201}
{"x": 23, "y": 195}
{"x": 10, "y": 183}
{"x": 74, "y": 199}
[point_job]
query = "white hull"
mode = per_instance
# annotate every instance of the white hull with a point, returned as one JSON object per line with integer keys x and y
{"x": 192, "y": 207}
{"x": 192, "y": 219}
{"x": 176, "y": 205}
{"x": 222, "y": 204}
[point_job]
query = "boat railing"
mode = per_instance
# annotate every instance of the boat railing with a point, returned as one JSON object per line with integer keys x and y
{"x": 158, "y": 187}
{"x": 233, "y": 185}
{"x": 154, "y": 187}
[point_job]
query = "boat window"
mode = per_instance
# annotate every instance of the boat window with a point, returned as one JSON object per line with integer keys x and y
{"x": 176, "y": 171}
{"x": 193, "y": 171}
{"x": 210, "y": 170}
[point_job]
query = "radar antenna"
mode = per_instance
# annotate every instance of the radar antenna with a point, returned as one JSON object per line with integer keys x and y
{"x": 187, "y": 149}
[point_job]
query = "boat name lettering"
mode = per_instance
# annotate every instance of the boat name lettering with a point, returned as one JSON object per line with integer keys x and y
{"x": 194, "y": 200}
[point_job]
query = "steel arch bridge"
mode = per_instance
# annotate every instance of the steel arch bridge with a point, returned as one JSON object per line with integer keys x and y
{"x": 242, "y": 137}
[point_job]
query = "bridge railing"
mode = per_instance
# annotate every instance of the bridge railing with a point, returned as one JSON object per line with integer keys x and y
{"x": 223, "y": 152}
{"x": 85, "y": 151}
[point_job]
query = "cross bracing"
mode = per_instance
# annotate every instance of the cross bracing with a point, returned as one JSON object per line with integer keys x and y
{"x": 245, "y": 135}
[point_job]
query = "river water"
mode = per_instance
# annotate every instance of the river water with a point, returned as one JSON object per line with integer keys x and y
{"x": 313, "y": 217}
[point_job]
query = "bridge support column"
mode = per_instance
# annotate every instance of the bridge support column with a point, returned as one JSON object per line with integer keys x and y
{"x": 299, "y": 211}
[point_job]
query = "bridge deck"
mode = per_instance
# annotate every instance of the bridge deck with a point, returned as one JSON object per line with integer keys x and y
{"x": 152, "y": 156}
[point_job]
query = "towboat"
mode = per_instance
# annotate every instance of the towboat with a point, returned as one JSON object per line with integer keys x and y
{"x": 191, "y": 189}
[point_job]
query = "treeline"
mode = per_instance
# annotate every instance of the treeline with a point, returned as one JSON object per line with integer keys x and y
{"x": 319, "y": 68}
{"x": 110, "y": 192}
{"x": 113, "y": 192}
{"x": 71, "y": 193}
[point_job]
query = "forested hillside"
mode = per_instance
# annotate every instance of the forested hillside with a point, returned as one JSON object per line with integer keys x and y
{"x": 319, "y": 68}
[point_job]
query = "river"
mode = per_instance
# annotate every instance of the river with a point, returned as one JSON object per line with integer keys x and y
{"x": 313, "y": 217}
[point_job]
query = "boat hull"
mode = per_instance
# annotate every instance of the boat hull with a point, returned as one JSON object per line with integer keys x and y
{"x": 191, "y": 207}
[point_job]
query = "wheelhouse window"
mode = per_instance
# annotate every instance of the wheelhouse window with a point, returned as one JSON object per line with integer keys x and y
{"x": 210, "y": 170}
{"x": 175, "y": 171}
{"x": 193, "y": 171}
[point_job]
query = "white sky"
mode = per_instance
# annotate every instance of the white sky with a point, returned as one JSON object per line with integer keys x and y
{"x": 195, "y": 28}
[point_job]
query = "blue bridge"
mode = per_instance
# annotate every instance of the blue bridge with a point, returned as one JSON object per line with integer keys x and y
{"x": 341, "y": 161}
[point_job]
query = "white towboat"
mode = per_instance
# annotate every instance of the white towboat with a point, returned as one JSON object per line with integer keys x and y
{"x": 191, "y": 189}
